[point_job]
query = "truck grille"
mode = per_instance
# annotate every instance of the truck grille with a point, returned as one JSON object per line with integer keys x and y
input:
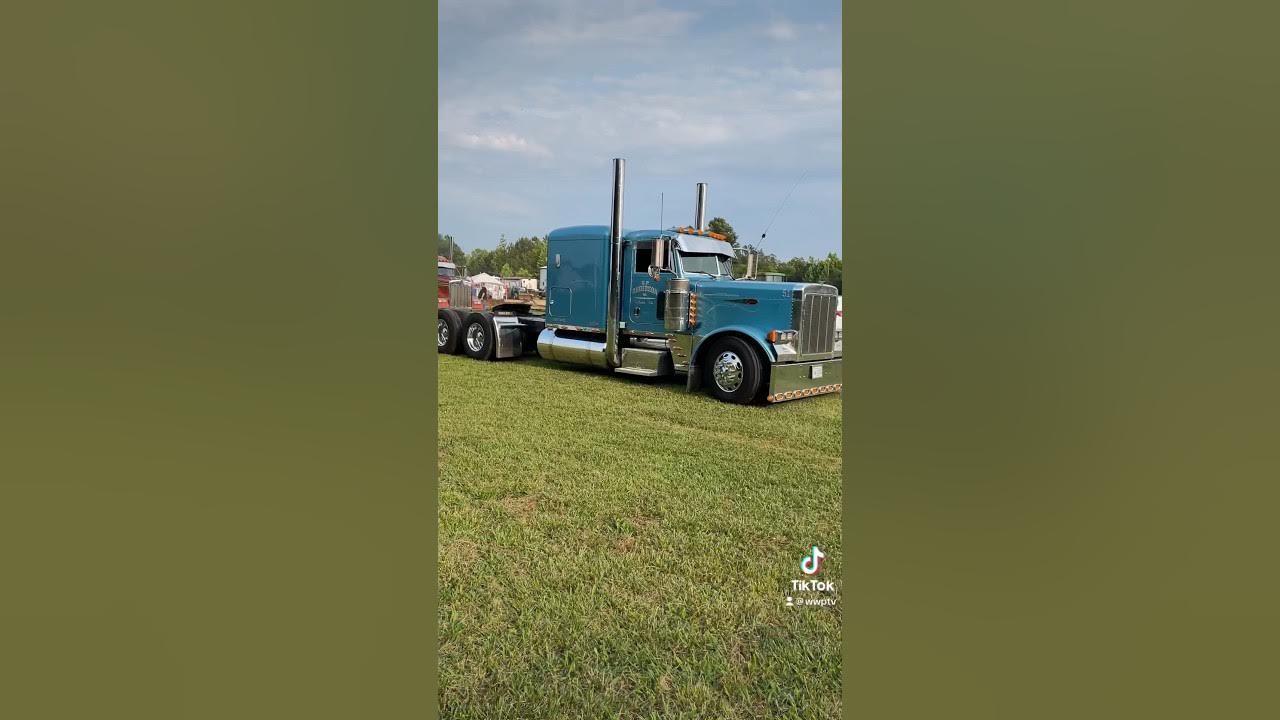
{"x": 459, "y": 294}
{"x": 817, "y": 322}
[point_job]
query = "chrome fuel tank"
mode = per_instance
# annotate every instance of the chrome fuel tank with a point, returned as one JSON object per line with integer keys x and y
{"x": 578, "y": 351}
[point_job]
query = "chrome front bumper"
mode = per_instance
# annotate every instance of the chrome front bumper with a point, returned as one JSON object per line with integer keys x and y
{"x": 791, "y": 381}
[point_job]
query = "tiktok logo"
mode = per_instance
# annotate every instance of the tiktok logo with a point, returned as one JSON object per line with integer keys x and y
{"x": 811, "y": 563}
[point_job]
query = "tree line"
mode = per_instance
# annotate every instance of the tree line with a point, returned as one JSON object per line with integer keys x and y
{"x": 523, "y": 257}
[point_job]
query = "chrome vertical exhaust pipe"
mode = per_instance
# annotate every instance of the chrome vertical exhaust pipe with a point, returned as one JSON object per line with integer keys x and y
{"x": 700, "y": 208}
{"x": 612, "y": 347}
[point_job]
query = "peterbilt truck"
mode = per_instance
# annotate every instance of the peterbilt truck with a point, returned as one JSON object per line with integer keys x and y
{"x": 658, "y": 303}
{"x": 454, "y": 290}
{"x": 445, "y": 274}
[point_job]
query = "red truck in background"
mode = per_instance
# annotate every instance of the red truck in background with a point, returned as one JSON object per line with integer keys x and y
{"x": 454, "y": 289}
{"x": 445, "y": 272}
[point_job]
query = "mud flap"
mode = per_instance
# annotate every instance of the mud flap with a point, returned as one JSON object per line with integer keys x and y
{"x": 694, "y": 382}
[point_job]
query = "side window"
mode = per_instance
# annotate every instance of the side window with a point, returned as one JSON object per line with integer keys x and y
{"x": 644, "y": 258}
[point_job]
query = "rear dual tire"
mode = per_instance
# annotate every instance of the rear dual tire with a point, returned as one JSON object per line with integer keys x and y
{"x": 477, "y": 339}
{"x": 448, "y": 332}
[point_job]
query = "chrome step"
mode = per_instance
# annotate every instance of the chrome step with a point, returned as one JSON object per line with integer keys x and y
{"x": 645, "y": 362}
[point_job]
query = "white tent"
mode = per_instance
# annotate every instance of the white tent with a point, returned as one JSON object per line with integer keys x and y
{"x": 491, "y": 283}
{"x": 521, "y": 283}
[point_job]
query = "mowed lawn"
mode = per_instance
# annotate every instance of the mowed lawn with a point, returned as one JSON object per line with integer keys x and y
{"x": 617, "y": 548}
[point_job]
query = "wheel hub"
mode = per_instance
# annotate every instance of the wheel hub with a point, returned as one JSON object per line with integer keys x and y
{"x": 442, "y": 333}
{"x": 727, "y": 371}
{"x": 475, "y": 337}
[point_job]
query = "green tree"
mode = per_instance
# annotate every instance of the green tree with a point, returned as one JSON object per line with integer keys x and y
{"x": 807, "y": 269}
{"x": 447, "y": 247}
{"x": 520, "y": 258}
{"x": 764, "y": 261}
{"x": 527, "y": 254}
{"x": 480, "y": 261}
{"x": 833, "y": 271}
{"x": 722, "y": 226}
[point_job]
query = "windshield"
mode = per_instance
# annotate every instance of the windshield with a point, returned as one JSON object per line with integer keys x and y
{"x": 443, "y": 271}
{"x": 706, "y": 263}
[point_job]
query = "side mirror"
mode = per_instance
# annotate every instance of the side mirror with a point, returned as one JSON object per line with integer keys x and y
{"x": 542, "y": 279}
{"x": 659, "y": 258}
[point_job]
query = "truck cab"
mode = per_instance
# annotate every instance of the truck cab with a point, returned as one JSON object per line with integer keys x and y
{"x": 682, "y": 312}
{"x": 445, "y": 273}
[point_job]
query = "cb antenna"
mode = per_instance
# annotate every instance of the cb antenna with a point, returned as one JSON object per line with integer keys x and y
{"x": 775, "y": 213}
{"x": 661, "y": 198}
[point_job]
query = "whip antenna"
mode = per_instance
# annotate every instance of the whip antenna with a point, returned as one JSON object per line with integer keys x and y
{"x": 775, "y": 213}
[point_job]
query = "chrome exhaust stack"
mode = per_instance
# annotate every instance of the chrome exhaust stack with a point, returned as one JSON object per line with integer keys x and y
{"x": 612, "y": 348}
{"x": 573, "y": 347}
{"x": 700, "y": 208}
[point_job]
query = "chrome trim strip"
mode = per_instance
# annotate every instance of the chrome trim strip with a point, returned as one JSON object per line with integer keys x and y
{"x": 681, "y": 351}
{"x": 575, "y": 328}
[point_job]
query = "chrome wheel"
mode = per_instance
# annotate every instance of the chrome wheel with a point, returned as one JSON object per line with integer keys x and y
{"x": 442, "y": 333}
{"x": 475, "y": 337}
{"x": 727, "y": 371}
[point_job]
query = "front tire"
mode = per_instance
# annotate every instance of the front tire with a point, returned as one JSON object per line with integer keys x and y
{"x": 448, "y": 332}
{"x": 477, "y": 336}
{"x": 733, "y": 371}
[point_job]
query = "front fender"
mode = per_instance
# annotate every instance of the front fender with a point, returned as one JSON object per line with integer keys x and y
{"x": 754, "y": 333}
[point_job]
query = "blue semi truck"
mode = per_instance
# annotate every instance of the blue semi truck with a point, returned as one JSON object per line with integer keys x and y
{"x": 657, "y": 303}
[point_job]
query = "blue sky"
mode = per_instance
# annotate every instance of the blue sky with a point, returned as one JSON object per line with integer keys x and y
{"x": 538, "y": 96}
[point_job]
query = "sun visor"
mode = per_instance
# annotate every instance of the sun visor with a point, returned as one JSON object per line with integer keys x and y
{"x": 698, "y": 244}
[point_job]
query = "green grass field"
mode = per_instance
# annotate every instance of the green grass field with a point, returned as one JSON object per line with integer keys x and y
{"x": 616, "y": 548}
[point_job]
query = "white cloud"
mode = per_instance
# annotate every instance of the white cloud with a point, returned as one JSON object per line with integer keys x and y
{"x": 531, "y": 109}
{"x": 493, "y": 201}
{"x": 781, "y": 30}
{"x": 707, "y": 114}
{"x": 572, "y": 29}
{"x": 503, "y": 142}
{"x": 784, "y": 30}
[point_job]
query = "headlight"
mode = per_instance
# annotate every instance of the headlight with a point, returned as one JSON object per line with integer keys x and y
{"x": 782, "y": 336}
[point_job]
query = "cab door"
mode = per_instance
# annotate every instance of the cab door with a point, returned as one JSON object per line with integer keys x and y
{"x": 642, "y": 295}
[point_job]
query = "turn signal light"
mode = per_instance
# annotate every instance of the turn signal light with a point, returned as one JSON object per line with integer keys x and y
{"x": 696, "y": 231}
